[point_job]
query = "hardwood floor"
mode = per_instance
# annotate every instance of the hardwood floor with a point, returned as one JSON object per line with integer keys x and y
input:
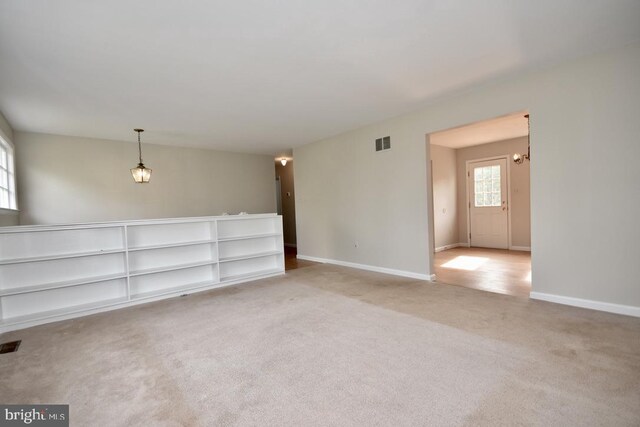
{"x": 493, "y": 270}
{"x": 291, "y": 262}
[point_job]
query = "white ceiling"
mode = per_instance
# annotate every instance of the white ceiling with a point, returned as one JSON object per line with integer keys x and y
{"x": 498, "y": 129}
{"x": 261, "y": 76}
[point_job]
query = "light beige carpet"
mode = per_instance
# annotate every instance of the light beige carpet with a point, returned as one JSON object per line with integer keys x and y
{"x": 327, "y": 345}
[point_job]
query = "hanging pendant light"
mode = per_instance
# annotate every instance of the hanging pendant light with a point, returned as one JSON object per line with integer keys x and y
{"x": 141, "y": 174}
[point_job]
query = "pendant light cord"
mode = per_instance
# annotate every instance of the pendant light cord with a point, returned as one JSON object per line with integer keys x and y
{"x": 139, "y": 146}
{"x": 528, "y": 138}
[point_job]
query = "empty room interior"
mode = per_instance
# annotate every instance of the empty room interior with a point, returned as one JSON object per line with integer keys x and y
{"x": 319, "y": 213}
{"x": 481, "y": 205}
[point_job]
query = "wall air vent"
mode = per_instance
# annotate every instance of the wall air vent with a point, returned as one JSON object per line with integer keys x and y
{"x": 383, "y": 143}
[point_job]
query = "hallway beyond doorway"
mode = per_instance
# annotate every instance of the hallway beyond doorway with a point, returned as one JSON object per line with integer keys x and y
{"x": 291, "y": 262}
{"x": 494, "y": 270}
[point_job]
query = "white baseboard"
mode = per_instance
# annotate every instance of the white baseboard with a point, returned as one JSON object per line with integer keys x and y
{"x": 627, "y": 310}
{"x": 290, "y": 245}
{"x": 451, "y": 246}
{"x": 466, "y": 245}
{"x": 394, "y": 272}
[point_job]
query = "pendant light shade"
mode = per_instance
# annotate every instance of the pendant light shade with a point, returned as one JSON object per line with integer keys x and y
{"x": 141, "y": 174}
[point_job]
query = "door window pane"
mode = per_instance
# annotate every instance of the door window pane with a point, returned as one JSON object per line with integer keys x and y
{"x": 487, "y": 189}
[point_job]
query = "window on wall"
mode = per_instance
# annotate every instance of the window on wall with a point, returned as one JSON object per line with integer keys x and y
{"x": 487, "y": 186}
{"x": 7, "y": 177}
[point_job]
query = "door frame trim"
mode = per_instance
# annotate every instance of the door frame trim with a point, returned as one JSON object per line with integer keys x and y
{"x": 468, "y": 209}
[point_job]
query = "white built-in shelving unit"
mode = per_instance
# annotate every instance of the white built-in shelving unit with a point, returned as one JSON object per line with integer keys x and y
{"x": 50, "y": 273}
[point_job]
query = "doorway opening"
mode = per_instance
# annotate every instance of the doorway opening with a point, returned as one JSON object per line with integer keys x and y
{"x": 481, "y": 205}
{"x": 286, "y": 206}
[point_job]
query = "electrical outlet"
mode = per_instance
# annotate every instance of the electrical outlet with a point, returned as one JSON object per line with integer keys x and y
{"x": 356, "y": 244}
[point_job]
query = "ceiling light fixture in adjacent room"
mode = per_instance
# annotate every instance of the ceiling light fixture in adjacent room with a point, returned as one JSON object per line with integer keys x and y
{"x": 283, "y": 161}
{"x": 141, "y": 174}
{"x": 520, "y": 158}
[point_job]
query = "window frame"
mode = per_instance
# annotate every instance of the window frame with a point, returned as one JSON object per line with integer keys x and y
{"x": 9, "y": 172}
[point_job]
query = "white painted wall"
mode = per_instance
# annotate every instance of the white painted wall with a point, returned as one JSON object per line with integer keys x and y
{"x": 445, "y": 193}
{"x": 64, "y": 179}
{"x": 357, "y": 205}
{"x": 518, "y": 187}
{"x": 584, "y": 182}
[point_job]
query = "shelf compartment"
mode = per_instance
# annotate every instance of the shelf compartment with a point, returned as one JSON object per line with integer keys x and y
{"x": 255, "y": 274}
{"x": 249, "y": 236}
{"x": 61, "y": 256}
{"x": 238, "y": 227}
{"x": 55, "y": 301}
{"x": 240, "y": 248}
{"x": 155, "y": 284}
{"x": 145, "y": 235}
{"x": 266, "y": 264}
{"x": 170, "y": 268}
{"x": 51, "y": 244}
{"x": 141, "y": 261}
{"x": 64, "y": 311}
{"x": 54, "y": 273}
{"x": 61, "y": 284}
{"x": 175, "y": 289}
{"x": 172, "y": 245}
{"x": 249, "y": 256}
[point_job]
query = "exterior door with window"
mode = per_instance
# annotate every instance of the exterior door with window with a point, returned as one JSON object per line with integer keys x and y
{"x": 488, "y": 204}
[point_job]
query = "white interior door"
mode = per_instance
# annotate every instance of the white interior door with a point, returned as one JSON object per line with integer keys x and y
{"x": 488, "y": 204}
